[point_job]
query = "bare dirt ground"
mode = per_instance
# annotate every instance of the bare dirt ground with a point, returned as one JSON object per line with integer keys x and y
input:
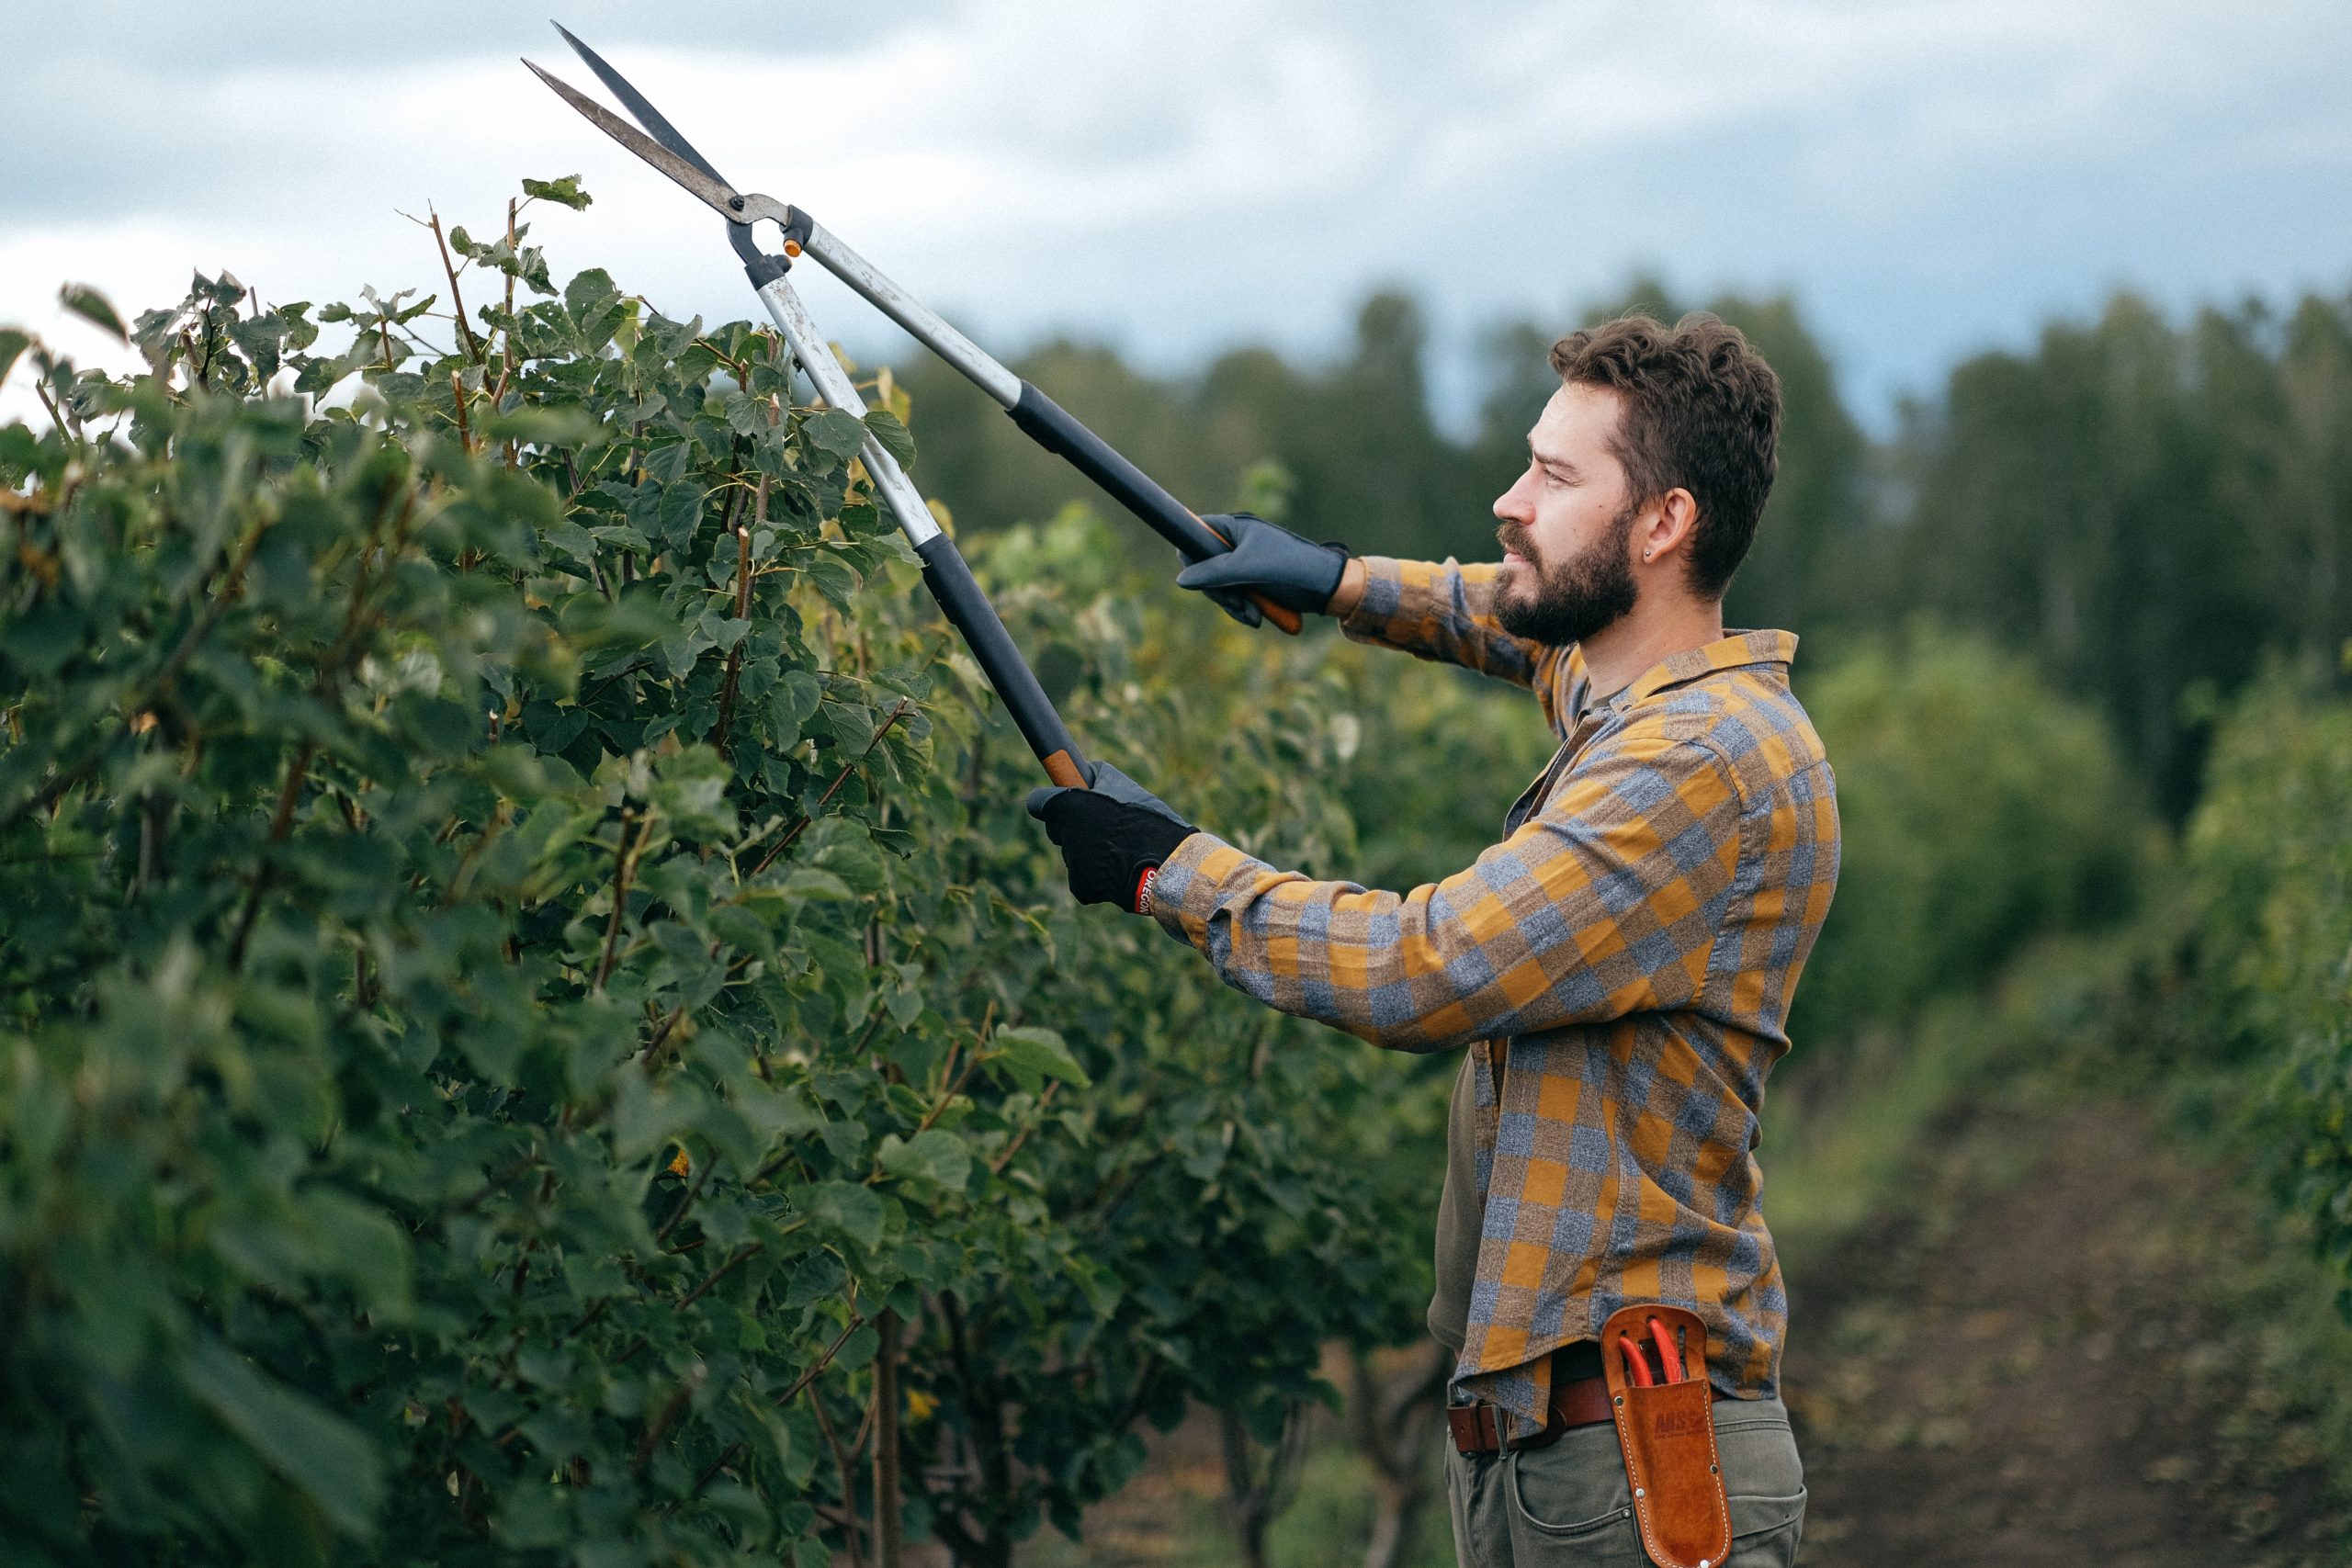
{"x": 2059, "y": 1343}
{"x": 2043, "y": 1354}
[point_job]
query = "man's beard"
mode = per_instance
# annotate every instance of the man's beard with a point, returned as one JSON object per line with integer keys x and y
{"x": 1575, "y": 599}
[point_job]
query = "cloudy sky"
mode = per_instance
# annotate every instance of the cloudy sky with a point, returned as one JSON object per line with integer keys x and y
{"x": 1931, "y": 177}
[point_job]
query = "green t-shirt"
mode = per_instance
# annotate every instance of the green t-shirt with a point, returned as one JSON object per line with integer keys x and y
{"x": 1461, "y": 1214}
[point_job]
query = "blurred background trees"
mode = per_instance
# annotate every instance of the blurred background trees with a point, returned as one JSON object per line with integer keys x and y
{"x": 2141, "y": 508}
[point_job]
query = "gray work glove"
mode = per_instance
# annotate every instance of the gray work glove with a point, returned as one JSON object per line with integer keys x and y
{"x": 1268, "y": 560}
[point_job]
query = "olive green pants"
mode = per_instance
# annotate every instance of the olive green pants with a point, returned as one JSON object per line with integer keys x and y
{"x": 1567, "y": 1505}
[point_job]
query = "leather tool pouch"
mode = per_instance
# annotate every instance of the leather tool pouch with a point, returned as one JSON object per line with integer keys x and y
{"x": 1667, "y": 1435}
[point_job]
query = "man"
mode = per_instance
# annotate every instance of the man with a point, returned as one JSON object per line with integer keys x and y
{"x": 1619, "y": 965}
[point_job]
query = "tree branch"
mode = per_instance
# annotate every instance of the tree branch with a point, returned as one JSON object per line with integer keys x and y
{"x": 856, "y": 1322}
{"x": 280, "y": 824}
{"x": 456, "y": 300}
{"x": 622, "y": 863}
{"x": 905, "y": 707}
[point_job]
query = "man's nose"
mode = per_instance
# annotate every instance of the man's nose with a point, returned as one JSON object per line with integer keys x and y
{"x": 1512, "y": 505}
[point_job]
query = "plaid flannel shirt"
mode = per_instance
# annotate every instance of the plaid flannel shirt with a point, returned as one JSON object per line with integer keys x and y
{"x": 1621, "y": 964}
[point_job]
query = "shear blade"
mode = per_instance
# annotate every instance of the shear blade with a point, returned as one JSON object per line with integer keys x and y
{"x": 639, "y": 108}
{"x": 717, "y": 193}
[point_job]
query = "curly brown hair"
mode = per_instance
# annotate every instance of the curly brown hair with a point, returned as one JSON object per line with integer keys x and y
{"x": 1701, "y": 410}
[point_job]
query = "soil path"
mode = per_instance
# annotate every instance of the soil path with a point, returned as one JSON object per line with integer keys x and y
{"x": 2019, "y": 1365}
{"x": 2056, "y": 1345}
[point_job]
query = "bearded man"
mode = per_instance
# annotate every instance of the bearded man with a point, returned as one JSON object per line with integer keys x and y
{"x": 1619, "y": 967}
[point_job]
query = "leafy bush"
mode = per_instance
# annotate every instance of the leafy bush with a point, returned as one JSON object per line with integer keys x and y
{"x": 525, "y": 969}
{"x": 1979, "y": 809}
{"x": 526, "y": 990}
{"x": 2271, "y": 864}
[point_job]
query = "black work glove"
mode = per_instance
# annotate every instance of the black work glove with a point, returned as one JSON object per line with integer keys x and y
{"x": 1269, "y": 560}
{"x": 1110, "y": 834}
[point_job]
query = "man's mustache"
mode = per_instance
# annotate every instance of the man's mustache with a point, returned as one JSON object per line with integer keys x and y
{"x": 1513, "y": 538}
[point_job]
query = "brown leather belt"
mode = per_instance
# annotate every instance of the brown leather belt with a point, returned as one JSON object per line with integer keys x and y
{"x": 1576, "y": 1401}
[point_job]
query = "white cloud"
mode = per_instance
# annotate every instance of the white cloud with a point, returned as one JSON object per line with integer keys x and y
{"x": 1932, "y": 175}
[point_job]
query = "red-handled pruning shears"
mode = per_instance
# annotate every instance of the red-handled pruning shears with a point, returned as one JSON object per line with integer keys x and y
{"x": 1039, "y": 417}
{"x": 1637, "y": 1365}
{"x": 1669, "y": 1357}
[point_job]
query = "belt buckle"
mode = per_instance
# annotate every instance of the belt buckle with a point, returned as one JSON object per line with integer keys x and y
{"x": 1478, "y": 1428}
{"x": 1474, "y": 1428}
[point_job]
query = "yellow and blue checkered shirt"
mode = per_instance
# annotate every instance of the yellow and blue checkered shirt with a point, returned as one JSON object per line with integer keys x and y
{"x": 1620, "y": 964}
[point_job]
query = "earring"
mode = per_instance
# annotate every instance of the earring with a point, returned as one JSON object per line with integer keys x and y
{"x": 1646, "y": 554}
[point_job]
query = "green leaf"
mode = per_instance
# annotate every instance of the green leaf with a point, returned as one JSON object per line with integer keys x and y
{"x": 678, "y": 512}
{"x": 746, "y": 416}
{"x": 931, "y": 1154}
{"x": 853, "y": 1209}
{"x": 589, "y": 293}
{"x": 19, "y": 450}
{"x": 1040, "y": 1051}
{"x": 797, "y": 694}
{"x": 12, "y": 343}
{"x": 822, "y": 886}
{"x": 94, "y": 308}
{"x": 329, "y": 1459}
{"x": 834, "y": 579}
{"x": 565, "y": 192}
{"x": 365, "y": 1247}
{"x": 590, "y": 623}
{"x": 442, "y": 728}
{"x": 835, "y": 432}
{"x": 44, "y": 637}
{"x": 895, "y": 437}
{"x": 742, "y": 931}
{"x": 543, "y": 425}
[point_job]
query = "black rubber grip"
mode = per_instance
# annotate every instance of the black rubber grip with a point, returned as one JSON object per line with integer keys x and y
{"x": 1051, "y": 426}
{"x": 968, "y": 610}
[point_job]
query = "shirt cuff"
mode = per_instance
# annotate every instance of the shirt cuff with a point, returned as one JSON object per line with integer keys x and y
{"x": 1192, "y": 882}
{"x": 1375, "y": 607}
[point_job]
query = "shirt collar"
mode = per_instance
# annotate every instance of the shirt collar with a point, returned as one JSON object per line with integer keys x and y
{"x": 1732, "y": 652}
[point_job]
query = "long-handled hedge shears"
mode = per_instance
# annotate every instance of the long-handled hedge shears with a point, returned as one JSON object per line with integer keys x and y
{"x": 1042, "y": 419}
{"x": 944, "y": 571}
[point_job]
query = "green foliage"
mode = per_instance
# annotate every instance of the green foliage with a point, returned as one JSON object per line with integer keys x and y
{"x": 2145, "y": 508}
{"x": 1979, "y": 810}
{"x": 2272, "y": 886}
{"x": 523, "y": 945}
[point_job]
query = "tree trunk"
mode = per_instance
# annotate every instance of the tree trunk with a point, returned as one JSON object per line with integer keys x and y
{"x": 1395, "y": 1420}
{"x": 984, "y": 1540}
{"x": 887, "y": 1545}
{"x": 1260, "y": 1483}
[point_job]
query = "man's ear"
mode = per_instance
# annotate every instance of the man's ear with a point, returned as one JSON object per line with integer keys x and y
{"x": 1667, "y": 524}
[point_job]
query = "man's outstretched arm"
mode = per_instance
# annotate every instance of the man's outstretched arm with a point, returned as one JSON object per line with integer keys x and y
{"x": 1442, "y": 611}
{"x": 1606, "y": 904}
{"x": 1433, "y": 610}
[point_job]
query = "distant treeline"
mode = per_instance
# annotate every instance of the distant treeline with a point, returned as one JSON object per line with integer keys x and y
{"x": 2147, "y": 508}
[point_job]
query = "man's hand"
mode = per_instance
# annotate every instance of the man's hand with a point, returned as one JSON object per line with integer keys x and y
{"x": 1112, "y": 836}
{"x": 1267, "y": 560}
